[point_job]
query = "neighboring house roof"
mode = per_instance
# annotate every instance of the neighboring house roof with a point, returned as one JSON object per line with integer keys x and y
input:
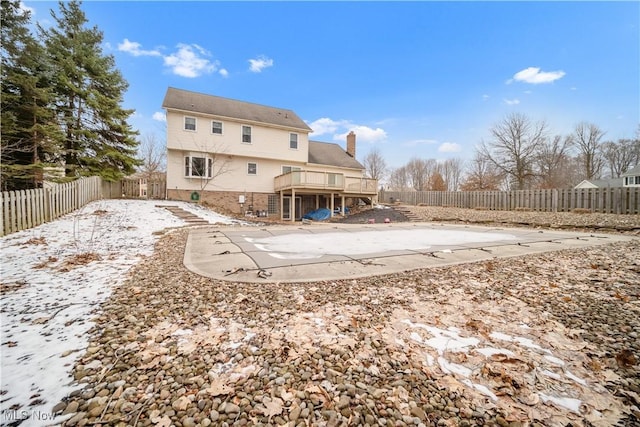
{"x": 633, "y": 171}
{"x": 178, "y": 99}
{"x": 330, "y": 154}
{"x": 600, "y": 183}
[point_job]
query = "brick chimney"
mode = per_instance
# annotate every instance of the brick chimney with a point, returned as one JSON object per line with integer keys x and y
{"x": 351, "y": 144}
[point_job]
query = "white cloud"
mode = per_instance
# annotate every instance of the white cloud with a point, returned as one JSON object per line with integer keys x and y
{"x": 364, "y": 134}
{"x": 25, "y": 8}
{"x": 190, "y": 61}
{"x": 223, "y": 72}
{"x": 449, "y": 147}
{"x": 135, "y": 49}
{"x": 340, "y": 128}
{"x": 260, "y": 63}
{"x": 326, "y": 125}
{"x": 534, "y": 75}
{"x": 485, "y": 97}
{"x": 159, "y": 116}
{"x": 511, "y": 101}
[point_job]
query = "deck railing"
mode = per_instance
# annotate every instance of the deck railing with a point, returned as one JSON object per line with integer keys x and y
{"x": 316, "y": 180}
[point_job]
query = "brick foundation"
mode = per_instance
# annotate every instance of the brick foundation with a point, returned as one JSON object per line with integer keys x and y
{"x": 226, "y": 201}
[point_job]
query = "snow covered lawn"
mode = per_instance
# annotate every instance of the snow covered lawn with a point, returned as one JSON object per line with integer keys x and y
{"x": 53, "y": 279}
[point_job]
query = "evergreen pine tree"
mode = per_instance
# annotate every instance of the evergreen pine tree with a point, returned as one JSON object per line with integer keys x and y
{"x": 30, "y": 135}
{"x": 89, "y": 93}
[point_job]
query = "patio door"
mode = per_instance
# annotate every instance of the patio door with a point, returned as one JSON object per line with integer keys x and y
{"x": 286, "y": 209}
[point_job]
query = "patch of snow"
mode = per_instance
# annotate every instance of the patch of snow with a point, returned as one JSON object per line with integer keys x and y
{"x": 481, "y": 388}
{"x": 416, "y": 337}
{"x": 45, "y": 320}
{"x": 181, "y": 332}
{"x": 524, "y": 342}
{"x": 453, "y": 368}
{"x": 574, "y": 378}
{"x": 430, "y": 360}
{"x": 565, "y": 402}
{"x": 554, "y": 360}
{"x": 500, "y": 336}
{"x": 551, "y": 374}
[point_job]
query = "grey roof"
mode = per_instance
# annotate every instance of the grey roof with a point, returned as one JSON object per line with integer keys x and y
{"x": 633, "y": 171}
{"x": 604, "y": 183}
{"x": 330, "y": 154}
{"x": 184, "y": 100}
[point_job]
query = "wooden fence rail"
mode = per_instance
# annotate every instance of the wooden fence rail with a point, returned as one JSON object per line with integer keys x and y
{"x": 622, "y": 200}
{"x": 20, "y": 210}
{"x": 24, "y": 209}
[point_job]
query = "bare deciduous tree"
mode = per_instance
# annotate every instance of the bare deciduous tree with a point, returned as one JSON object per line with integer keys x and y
{"x": 451, "y": 170}
{"x": 375, "y": 165}
{"x": 586, "y": 138}
{"x": 555, "y": 163}
{"x": 621, "y": 156}
{"x": 399, "y": 179}
{"x": 513, "y": 148}
{"x": 419, "y": 172}
{"x": 152, "y": 153}
{"x": 482, "y": 175}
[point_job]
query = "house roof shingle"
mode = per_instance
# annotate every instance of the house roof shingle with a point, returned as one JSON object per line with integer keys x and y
{"x": 330, "y": 154}
{"x": 633, "y": 171}
{"x": 601, "y": 183}
{"x": 179, "y": 99}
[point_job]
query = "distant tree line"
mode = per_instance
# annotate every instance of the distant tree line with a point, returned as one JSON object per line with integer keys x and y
{"x": 61, "y": 101}
{"x": 520, "y": 154}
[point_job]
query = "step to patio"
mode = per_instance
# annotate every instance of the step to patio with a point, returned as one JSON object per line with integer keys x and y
{"x": 188, "y": 217}
{"x": 407, "y": 212}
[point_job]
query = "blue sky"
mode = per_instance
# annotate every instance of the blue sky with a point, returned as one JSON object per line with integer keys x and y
{"x": 415, "y": 79}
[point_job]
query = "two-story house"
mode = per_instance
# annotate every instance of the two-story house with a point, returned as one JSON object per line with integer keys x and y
{"x": 245, "y": 157}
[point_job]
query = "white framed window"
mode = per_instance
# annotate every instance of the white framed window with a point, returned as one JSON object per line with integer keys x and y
{"x": 246, "y": 134}
{"x": 216, "y": 127}
{"x": 293, "y": 141}
{"x": 252, "y": 168}
{"x": 190, "y": 123}
{"x": 198, "y": 167}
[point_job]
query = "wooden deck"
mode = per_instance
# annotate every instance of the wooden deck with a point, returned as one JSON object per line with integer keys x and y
{"x": 304, "y": 181}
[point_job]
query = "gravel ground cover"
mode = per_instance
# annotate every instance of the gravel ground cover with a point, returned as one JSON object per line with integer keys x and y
{"x": 547, "y": 340}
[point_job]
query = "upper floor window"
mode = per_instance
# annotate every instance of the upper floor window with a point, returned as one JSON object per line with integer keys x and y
{"x": 216, "y": 127}
{"x": 293, "y": 141}
{"x": 198, "y": 167}
{"x": 252, "y": 168}
{"x": 246, "y": 134}
{"x": 189, "y": 123}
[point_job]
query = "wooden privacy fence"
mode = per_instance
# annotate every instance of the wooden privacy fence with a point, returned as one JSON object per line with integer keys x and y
{"x": 135, "y": 188}
{"x": 24, "y": 209}
{"x": 20, "y": 210}
{"x": 621, "y": 200}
